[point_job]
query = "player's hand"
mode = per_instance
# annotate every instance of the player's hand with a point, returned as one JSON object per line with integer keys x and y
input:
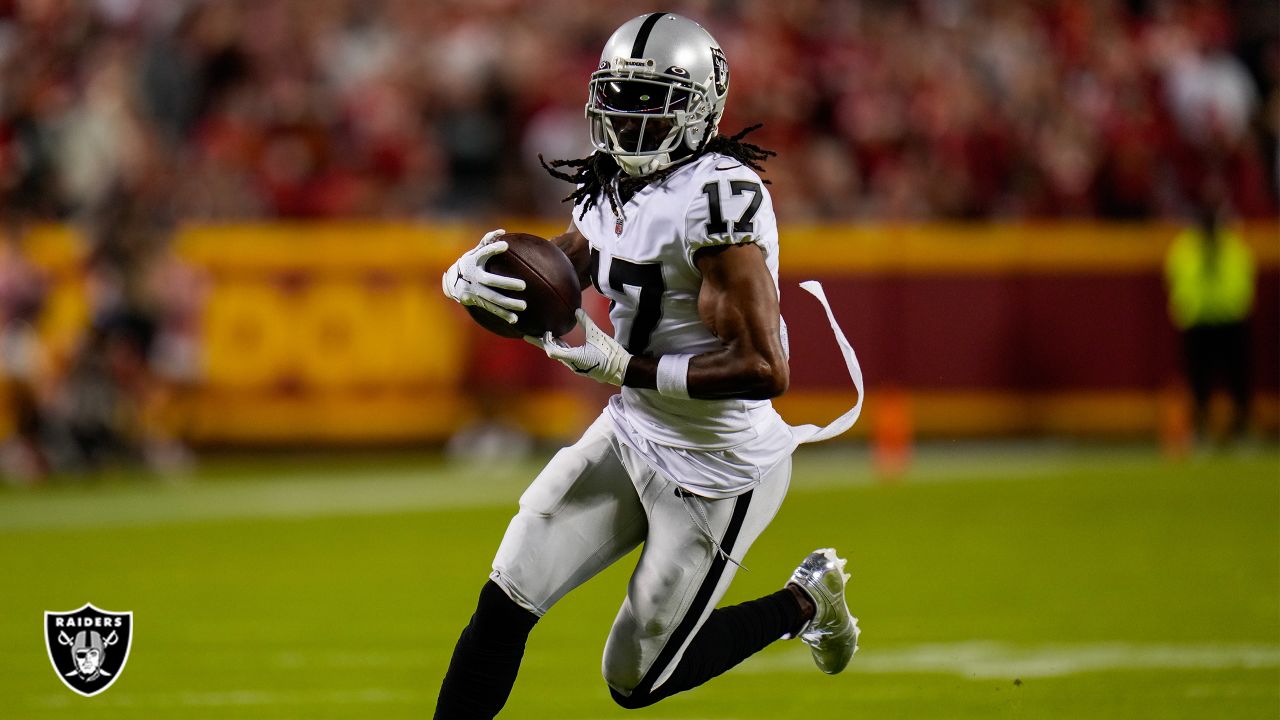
{"x": 467, "y": 282}
{"x": 601, "y": 358}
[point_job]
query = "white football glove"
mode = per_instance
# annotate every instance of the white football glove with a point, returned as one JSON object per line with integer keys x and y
{"x": 467, "y": 282}
{"x": 601, "y": 358}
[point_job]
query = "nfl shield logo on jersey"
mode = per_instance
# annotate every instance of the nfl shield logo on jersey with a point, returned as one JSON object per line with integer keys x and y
{"x": 88, "y": 647}
{"x": 617, "y": 227}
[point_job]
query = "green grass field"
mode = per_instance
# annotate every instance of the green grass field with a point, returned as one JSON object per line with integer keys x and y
{"x": 1038, "y": 581}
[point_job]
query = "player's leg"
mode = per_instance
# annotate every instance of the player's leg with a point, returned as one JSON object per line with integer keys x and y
{"x": 1238, "y": 370}
{"x": 1197, "y": 350}
{"x": 668, "y": 636}
{"x": 486, "y": 658}
{"x": 578, "y": 516}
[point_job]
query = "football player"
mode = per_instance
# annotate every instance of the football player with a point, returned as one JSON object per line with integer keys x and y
{"x": 690, "y": 460}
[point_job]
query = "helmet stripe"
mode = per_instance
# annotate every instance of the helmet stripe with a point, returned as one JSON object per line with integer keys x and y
{"x": 642, "y": 37}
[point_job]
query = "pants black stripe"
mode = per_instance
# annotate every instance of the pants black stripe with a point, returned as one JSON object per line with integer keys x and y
{"x": 701, "y": 599}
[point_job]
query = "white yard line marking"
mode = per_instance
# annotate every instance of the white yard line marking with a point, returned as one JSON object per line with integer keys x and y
{"x": 976, "y": 659}
{"x": 991, "y": 660}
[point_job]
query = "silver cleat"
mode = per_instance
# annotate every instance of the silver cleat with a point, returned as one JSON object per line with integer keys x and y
{"x": 832, "y": 634}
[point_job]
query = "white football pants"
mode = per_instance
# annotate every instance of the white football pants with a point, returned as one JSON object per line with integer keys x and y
{"x": 595, "y": 502}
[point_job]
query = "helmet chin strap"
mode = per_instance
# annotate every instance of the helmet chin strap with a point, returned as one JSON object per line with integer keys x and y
{"x": 641, "y": 165}
{"x": 637, "y": 166}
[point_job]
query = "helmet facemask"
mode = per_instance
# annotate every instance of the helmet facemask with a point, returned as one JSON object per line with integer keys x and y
{"x": 645, "y": 120}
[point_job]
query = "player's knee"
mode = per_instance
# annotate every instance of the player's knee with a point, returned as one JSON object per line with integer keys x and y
{"x": 498, "y": 615}
{"x": 649, "y": 603}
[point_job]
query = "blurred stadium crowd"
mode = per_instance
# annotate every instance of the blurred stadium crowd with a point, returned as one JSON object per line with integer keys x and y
{"x": 126, "y": 117}
{"x": 879, "y": 109}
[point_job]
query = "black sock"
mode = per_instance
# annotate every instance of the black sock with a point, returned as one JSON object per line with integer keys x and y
{"x": 486, "y": 659}
{"x": 729, "y": 636}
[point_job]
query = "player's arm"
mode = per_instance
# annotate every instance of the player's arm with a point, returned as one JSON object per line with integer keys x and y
{"x": 574, "y": 245}
{"x": 739, "y": 303}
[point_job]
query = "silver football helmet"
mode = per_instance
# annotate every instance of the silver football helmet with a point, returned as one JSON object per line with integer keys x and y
{"x": 660, "y": 88}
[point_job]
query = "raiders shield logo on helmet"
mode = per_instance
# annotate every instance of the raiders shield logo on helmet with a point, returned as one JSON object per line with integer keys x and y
{"x": 88, "y": 647}
{"x": 720, "y": 69}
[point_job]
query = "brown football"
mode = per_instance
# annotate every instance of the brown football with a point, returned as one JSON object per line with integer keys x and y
{"x": 551, "y": 288}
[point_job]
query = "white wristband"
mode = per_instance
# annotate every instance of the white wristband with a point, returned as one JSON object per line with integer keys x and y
{"x": 673, "y": 375}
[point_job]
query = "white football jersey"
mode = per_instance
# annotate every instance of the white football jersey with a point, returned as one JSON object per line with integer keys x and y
{"x": 643, "y": 262}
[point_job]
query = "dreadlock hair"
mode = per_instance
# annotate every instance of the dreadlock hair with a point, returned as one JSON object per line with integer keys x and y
{"x": 598, "y": 173}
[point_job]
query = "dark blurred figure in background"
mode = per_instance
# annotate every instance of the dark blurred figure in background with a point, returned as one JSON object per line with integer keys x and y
{"x": 125, "y": 377}
{"x": 102, "y": 392}
{"x": 1210, "y": 275}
